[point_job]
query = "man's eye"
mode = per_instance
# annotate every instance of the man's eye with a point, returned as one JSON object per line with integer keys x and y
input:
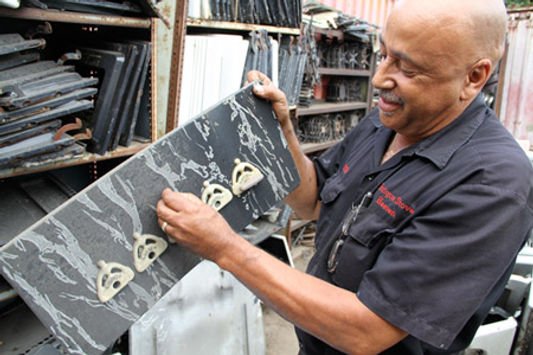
{"x": 407, "y": 72}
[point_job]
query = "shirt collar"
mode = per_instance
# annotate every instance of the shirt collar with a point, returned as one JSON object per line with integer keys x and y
{"x": 441, "y": 146}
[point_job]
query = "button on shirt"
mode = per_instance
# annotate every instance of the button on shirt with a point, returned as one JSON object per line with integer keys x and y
{"x": 432, "y": 251}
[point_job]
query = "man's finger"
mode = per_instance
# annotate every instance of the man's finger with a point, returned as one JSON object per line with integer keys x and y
{"x": 165, "y": 213}
{"x": 174, "y": 200}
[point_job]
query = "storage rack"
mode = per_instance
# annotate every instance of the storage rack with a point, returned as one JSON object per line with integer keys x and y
{"x": 322, "y": 107}
{"x": 54, "y": 16}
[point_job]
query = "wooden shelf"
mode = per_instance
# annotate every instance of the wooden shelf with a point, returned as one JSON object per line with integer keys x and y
{"x": 27, "y": 13}
{"x": 84, "y": 159}
{"x": 308, "y": 148}
{"x": 236, "y": 26}
{"x": 319, "y": 107}
{"x": 343, "y": 72}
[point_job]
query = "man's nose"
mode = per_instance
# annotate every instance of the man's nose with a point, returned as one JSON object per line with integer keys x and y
{"x": 382, "y": 78}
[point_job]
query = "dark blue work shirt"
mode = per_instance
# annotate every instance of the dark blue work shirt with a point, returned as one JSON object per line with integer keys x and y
{"x": 432, "y": 250}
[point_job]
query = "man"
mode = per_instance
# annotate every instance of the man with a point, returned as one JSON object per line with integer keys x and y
{"x": 421, "y": 209}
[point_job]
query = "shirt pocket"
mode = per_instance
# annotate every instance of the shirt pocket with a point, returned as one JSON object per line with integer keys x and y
{"x": 365, "y": 240}
{"x": 332, "y": 188}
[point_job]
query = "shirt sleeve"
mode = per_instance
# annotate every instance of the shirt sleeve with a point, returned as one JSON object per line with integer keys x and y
{"x": 436, "y": 272}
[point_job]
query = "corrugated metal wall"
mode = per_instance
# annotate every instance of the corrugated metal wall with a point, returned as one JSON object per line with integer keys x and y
{"x": 373, "y": 11}
{"x": 516, "y": 96}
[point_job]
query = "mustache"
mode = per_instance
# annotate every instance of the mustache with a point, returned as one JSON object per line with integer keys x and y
{"x": 389, "y": 96}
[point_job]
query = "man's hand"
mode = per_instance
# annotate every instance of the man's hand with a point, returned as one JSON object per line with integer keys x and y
{"x": 194, "y": 224}
{"x": 269, "y": 91}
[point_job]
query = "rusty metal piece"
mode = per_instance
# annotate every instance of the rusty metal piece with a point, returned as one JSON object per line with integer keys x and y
{"x": 68, "y": 127}
{"x": 76, "y": 55}
{"x": 87, "y": 134}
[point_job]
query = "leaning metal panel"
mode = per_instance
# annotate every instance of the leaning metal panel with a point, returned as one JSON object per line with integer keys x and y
{"x": 53, "y": 264}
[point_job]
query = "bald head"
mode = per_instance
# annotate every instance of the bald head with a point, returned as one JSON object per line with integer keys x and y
{"x": 474, "y": 29}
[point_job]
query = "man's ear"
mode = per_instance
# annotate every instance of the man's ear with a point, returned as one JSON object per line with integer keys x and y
{"x": 476, "y": 78}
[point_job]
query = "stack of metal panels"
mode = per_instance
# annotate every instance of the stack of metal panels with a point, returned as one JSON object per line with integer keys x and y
{"x": 262, "y": 55}
{"x": 38, "y": 99}
{"x": 123, "y": 69}
{"x": 293, "y": 59}
{"x": 277, "y": 13}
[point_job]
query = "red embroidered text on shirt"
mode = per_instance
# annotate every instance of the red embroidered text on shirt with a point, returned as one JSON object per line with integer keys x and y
{"x": 345, "y": 168}
{"x": 397, "y": 201}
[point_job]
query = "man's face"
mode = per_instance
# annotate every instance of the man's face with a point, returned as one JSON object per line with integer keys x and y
{"x": 420, "y": 77}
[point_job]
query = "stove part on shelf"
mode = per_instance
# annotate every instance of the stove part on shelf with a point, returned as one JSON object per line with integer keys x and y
{"x": 137, "y": 85}
{"x": 259, "y": 56}
{"x": 109, "y": 64}
{"x": 60, "y": 111}
{"x": 13, "y": 155}
{"x": 124, "y": 93}
{"x": 32, "y": 92}
{"x": 76, "y": 55}
{"x": 14, "y": 42}
{"x": 11, "y": 79}
{"x": 28, "y": 133}
{"x": 15, "y": 59}
{"x": 143, "y": 128}
{"x": 293, "y": 61}
{"x": 8, "y": 116}
{"x": 328, "y": 127}
{"x": 136, "y": 66}
{"x": 341, "y": 89}
{"x": 348, "y": 55}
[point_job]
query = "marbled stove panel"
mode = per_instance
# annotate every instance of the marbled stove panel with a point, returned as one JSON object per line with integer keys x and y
{"x": 52, "y": 264}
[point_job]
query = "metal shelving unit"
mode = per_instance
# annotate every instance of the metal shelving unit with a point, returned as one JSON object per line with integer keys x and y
{"x": 321, "y": 107}
{"x": 67, "y": 17}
